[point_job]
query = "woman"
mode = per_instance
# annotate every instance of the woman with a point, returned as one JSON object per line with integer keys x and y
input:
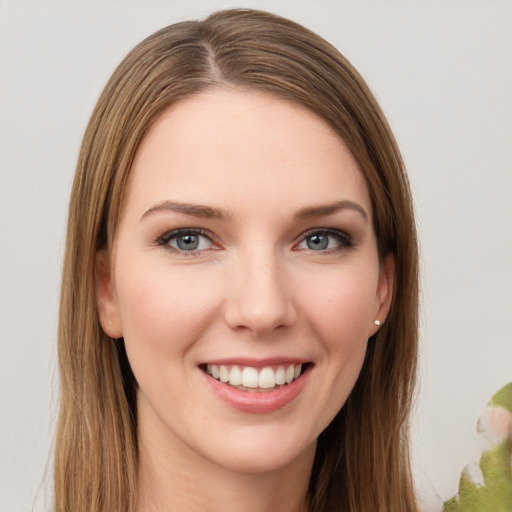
{"x": 238, "y": 323}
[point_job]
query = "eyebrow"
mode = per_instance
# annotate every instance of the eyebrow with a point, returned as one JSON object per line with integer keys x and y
{"x": 195, "y": 210}
{"x": 208, "y": 212}
{"x": 324, "y": 210}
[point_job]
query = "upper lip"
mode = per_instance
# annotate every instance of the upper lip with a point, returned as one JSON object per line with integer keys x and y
{"x": 256, "y": 362}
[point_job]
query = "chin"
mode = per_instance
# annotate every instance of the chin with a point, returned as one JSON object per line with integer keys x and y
{"x": 263, "y": 457}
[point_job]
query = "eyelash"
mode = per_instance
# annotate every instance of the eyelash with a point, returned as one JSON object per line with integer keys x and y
{"x": 344, "y": 240}
{"x": 165, "y": 239}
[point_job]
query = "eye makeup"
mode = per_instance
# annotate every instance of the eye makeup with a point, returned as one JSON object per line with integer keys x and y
{"x": 188, "y": 241}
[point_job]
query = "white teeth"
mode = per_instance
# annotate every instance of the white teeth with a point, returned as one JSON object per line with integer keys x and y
{"x": 235, "y": 376}
{"x": 280, "y": 376}
{"x": 223, "y": 374}
{"x": 267, "y": 379}
{"x": 249, "y": 377}
{"x": 290, "y": 372}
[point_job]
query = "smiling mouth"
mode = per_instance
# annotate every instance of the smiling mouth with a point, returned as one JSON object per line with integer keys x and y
{"x": 249, "y": 378}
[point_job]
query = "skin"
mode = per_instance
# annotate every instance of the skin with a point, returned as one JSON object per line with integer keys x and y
{"x": 255, "y": 288}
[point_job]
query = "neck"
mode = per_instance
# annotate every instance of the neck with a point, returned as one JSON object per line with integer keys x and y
{"x": 175, "y": 478}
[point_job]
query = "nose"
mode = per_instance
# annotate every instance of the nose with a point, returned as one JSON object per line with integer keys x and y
{"x": 259, "y": 298}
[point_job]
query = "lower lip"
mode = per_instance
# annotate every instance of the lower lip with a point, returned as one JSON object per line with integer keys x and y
{"x": 257, "y": 402}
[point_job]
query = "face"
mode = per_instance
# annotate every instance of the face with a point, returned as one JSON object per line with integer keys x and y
{"x": 244, "y": 279}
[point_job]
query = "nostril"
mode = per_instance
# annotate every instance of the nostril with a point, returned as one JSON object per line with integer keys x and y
{"x": 259, "y": 305}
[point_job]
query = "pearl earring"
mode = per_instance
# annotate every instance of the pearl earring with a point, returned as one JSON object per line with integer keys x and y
{"x": 376, "y": 322}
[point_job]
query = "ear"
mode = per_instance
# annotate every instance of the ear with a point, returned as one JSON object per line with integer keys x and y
{"x": 384, "y": 293}
{"x": 108, "y": 308}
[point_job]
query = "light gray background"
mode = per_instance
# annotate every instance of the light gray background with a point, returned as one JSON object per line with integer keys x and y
{"x": 442, "y": 71}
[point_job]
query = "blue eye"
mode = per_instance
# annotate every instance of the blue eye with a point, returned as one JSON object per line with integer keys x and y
{"x": 325, "y": 240}
{"x": 318, "y": 242}
{"x": 186, "y": 240}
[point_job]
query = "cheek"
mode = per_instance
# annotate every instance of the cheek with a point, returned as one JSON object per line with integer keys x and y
{"x": 164, "y": 311}
{"x": 337, "y": 307}
{"x": 339, "y": 304}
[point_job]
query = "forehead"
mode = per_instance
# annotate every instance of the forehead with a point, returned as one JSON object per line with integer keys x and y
{"x": 244, "y": 149}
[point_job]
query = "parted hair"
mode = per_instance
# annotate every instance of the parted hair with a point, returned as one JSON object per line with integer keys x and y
{"x": 362, "y": 457}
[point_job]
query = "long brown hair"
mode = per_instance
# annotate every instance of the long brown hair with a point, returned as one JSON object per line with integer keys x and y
{"x": 362, "y": 460}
